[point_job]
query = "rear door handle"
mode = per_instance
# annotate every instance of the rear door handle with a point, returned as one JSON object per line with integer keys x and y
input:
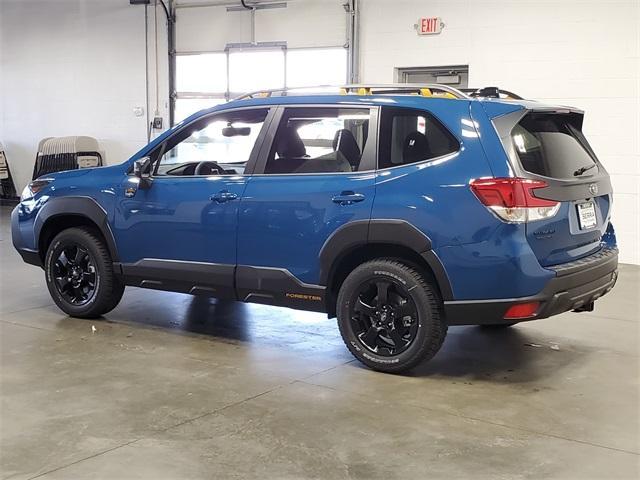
{"x": 348, "y": 198}
{"x": 223, "y": 196}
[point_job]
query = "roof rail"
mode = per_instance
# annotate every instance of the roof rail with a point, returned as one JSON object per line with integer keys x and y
{"x": 491, "y": 92}
{"x": 426, "y": 90}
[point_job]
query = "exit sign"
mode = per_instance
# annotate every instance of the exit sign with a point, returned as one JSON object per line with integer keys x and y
{"x": 429, "y": 25}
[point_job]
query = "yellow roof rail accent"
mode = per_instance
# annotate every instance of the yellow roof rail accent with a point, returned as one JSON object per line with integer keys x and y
{"x": 445, "y": 95}
{"x": 425, "y": 90}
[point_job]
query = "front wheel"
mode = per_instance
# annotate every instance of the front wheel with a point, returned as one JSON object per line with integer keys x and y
{"x": 79, "y": 274}
{"x": 390, "y": 316}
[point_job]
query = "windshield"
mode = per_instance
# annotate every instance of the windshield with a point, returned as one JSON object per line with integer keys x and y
{"x": 549, "y": 144}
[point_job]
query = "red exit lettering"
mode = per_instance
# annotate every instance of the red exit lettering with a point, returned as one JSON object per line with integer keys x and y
{"x": 429, "y": 25}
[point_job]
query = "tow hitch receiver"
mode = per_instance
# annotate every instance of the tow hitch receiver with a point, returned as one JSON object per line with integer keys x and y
{"x": 587, "y": 307}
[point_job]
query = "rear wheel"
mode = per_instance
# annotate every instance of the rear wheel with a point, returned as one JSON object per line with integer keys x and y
{"x": 79, "y": 274}
{"x": 390, "y": 316}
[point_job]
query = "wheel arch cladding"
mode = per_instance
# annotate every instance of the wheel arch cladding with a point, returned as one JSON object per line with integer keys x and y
{"x": 67, "y": 212}
{"x": 363, "y": 240}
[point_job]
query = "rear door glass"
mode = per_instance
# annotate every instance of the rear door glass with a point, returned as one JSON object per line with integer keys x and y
{"x": 552, "y": 145}
{"x": 319, "y": 140}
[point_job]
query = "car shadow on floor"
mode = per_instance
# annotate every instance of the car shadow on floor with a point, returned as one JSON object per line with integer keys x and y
{"x": 509, "y": 355}
{"x": 218, "y": 318}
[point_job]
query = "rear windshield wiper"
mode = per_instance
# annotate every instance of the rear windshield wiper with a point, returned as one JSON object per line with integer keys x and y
{"x": 581, "y": 170}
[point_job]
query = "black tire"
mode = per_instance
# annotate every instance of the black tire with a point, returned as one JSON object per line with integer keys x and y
{"x": 106, "y": 290}
{"x": 429, "y": 327}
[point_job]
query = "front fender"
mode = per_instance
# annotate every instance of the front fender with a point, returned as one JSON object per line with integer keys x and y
{"x": 81, "y": 206}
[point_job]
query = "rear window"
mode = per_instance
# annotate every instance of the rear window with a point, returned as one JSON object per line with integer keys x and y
{"x": 551, "y": 145}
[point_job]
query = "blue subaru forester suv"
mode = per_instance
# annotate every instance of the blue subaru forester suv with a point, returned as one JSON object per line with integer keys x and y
{"x": 400, "y": 210}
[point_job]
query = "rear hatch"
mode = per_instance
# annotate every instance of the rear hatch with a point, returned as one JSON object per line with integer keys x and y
{"x": 548, "y": 145}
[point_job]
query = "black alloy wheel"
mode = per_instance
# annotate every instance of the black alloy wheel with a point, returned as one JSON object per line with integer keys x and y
{"x": 390, "y": 315}
{"x": 80, "y": 275}
{"x": 74, "y": 274}
{"x": 384, "y": 317}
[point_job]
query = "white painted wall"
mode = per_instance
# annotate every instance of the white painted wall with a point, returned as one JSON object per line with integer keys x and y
{"x": 584, "y": 53}
{"x": 70, "y": 67}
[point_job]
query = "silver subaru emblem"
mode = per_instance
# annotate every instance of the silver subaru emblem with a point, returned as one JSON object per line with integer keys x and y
{"x": 593, "y": 189}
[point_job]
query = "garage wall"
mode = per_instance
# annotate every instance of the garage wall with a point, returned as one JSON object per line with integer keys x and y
{"x": 70, "y": 67}
{"x": 583, "y": 53}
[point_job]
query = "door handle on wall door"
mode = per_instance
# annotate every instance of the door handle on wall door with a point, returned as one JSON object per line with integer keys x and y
{"x": 223, "y": 196}
{"x": 348, "y": 198}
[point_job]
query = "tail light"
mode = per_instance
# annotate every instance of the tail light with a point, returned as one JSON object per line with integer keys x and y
{"x": 512, "y": 199}
{"x": 522, "y": 310}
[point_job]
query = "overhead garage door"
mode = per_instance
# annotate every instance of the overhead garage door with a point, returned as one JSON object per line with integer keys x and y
{"x": 221, "y": 52}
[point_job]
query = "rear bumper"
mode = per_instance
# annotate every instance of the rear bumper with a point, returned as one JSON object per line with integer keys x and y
{"x": 575, "y": 285}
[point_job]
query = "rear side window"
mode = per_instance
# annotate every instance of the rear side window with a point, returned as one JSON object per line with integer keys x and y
{"x": 552, "y": 145}
{"x": 409, "y": 136}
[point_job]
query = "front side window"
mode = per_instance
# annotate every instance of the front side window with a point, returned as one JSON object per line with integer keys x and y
{"x": 410, "y": 136}
{"x": 217, "y": 145}
{"x": 319, "y": 140}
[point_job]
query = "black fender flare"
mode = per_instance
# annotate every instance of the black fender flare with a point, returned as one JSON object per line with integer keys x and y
{"x": 76, "y": 206}
{"x": 383, "y": 231}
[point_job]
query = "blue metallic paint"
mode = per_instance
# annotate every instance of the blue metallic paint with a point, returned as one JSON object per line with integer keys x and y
{"x": 284, "y": 223}
{"x": 276, "y": 222}
{"x": 175, "y": 219}
{"x": 559, "y": 239}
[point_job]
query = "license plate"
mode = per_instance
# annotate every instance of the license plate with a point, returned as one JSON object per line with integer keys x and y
{"x": 587, "y": 215}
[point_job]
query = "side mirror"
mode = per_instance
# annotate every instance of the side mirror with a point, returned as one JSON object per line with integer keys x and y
{"x": 142, "y": 171}
{"x": 141, "y": 167}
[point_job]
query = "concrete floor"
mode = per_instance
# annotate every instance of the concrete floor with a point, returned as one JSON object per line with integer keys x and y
{"x": 173, "y": 386}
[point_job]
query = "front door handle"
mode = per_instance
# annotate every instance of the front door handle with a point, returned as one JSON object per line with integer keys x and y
{"x": 223, "y": 196}
{"x": 348, "y": 198}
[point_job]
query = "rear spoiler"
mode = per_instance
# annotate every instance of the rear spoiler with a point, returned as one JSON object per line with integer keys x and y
{"x": 528, "y": 105}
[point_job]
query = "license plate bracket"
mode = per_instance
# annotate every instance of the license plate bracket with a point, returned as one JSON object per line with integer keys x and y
{"x": 587, "y": 215}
